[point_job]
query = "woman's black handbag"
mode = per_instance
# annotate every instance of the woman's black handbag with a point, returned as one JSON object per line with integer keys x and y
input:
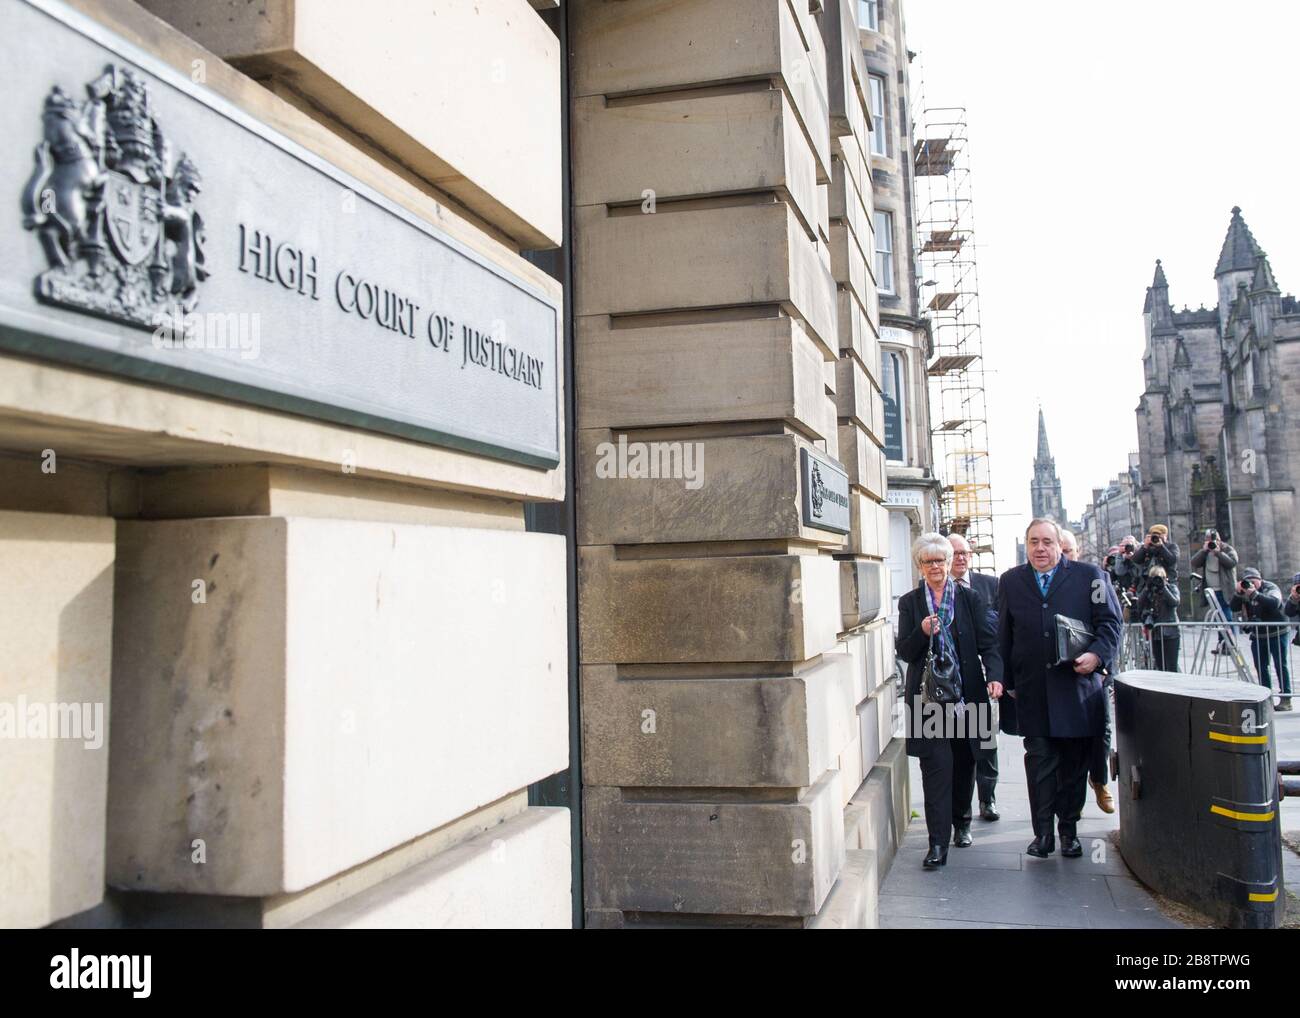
{"x": 941, "y": 682}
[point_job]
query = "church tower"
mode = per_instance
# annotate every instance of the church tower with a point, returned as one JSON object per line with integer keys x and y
{"x": 1045, "y": 488}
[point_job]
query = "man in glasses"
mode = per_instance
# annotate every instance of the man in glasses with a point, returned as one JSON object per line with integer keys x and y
{"x": 986, "y": 768}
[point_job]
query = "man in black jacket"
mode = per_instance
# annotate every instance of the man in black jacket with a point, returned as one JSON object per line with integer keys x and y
{"x": 1261, "y": 601}
{"x": 1059, "y": 705}
{"x": 986, "y": 767}
{"x": 1156, "y": 550}
{"x": 1123, "y": 573}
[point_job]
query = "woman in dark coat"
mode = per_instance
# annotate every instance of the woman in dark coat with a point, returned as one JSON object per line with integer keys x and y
{"x": 1157, "y": 607}
{"x": 947, "y": 738}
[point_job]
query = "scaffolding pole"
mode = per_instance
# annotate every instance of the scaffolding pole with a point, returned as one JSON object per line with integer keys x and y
{"x": 949, "y": 294}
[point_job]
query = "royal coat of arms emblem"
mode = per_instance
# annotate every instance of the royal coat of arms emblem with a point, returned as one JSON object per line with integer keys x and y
{"x": 113, "y": 209}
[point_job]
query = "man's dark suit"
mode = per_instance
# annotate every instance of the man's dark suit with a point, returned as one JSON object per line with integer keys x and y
{"x": 986, "y": 767}
{"x": 1058, "y": 711}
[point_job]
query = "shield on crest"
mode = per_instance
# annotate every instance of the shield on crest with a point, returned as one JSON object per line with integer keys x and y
{"x": 131, "y": 212}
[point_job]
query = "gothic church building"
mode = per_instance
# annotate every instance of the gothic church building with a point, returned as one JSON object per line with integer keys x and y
{"x": 1217, "y": 436}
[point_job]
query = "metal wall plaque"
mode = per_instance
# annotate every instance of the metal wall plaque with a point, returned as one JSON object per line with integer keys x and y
{"x": 154, "y": 230}
{"x": 825, "y": 490}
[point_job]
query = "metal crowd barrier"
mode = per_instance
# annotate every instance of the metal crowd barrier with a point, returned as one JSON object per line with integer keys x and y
{"x": 1225, "y": 649}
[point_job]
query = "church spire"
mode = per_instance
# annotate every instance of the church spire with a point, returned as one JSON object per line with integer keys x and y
{"x": 1239, "y": 248}
{"x": 1045, "y": 488}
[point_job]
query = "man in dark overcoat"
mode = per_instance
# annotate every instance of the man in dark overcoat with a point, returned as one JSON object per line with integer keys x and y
{"x": 986, "y": 585}
{"x": 1059, "y": 705}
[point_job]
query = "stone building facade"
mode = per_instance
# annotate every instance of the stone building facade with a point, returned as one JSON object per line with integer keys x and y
{"x": 738, "y": 759}
{"x": 906, "y": 345}
{"x": 1216, "y": 420}
{"x": 1114, "y": 512}
{"x": 264, "y": 550}
{"x": 530, "y": 568}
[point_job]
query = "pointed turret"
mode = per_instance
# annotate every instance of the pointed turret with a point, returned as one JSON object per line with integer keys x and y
{"x": 1265, "y": 296}
{"x": 1153, "y": 291}
{"x": 1157, "y": 303}
{"x": 1044, "y": 453}
{"x": 1263, "y": 281}
{"x": 1159, "y": 280}
{"x": 1236, "y": 268}
{"x": 1239, "y": 248}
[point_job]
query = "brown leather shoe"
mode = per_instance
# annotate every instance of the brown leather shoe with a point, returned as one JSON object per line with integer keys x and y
{"x": 1104, "y": 801}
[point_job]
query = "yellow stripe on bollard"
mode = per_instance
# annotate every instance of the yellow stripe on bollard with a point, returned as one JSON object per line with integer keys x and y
{"x": 1271, "y": 896}
{"x": 1253, "y": 740}
{"x": 1233, "y": 814}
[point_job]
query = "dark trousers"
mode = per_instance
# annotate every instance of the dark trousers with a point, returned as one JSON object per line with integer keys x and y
{"x": 986, "y": 776}
{"x": 1276, "y": 647}
{"x": 1057, "y": 774}
{"x": 1099, "y": 751}
{"x": 1164, "y": 649}
{"x": 948, "y": 780}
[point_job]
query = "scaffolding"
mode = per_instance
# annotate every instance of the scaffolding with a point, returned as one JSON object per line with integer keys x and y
{"x": 948, "y": 284}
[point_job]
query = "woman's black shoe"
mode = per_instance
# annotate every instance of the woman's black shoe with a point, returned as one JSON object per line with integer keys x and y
{"x": 936, "y": 857}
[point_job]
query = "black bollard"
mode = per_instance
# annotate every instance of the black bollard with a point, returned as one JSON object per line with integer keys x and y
{"x": 1198, "y": 803}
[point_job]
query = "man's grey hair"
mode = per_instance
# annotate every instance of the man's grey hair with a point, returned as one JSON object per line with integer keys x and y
{"x": 1038, "y": 521}
{"x": 928, "y": 543}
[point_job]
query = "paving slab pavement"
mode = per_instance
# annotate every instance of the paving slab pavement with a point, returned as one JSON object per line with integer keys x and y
{"x": 995, "y": 885}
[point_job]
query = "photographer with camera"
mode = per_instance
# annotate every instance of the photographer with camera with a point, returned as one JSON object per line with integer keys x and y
{"x": 1123, "y": 573}
{"x": 1292, "y": 611}
{"x": 1157, "y": 607}
{"x": 1216, "y": 560}
{"x": 1157, "y": 550}
{"x": 1261, "y": 601}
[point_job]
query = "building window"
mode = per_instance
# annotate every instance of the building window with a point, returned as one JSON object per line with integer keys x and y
{"x": 1256, "y": 373}
{"x": 885, "y": 252}
{"x": 893, "y": 374}
{"x": 878, "y": 139}
{"x": 869, "y": 14}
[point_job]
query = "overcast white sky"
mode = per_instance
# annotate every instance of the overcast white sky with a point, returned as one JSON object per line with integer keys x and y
{"x": 1103, "y": 138}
